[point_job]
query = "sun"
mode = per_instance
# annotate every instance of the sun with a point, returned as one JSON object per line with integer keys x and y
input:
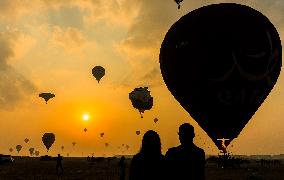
{"x": 86, "y": 117}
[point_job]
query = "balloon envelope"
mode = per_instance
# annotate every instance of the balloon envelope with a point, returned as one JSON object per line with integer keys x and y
{"x": 141, "y": 99}
{"x": 220, "y": 62}
{"x": 156, "y": 120}
{"x": 102, "y": 134}
{"x": 11, "y": 149}
{"x": 31, "y": 150}
{"x": 18, "y": 148}
{"x": 46, "y": 96}
{"x": 48, "y": 139}
{"x": 137, "y": 132}
{"x": 26, "y": 140}
{"x": 98, "y": 72}
{"x": 37, "y": 153}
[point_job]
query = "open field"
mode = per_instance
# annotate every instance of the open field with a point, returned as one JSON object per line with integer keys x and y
{"x": 79, "y": 168}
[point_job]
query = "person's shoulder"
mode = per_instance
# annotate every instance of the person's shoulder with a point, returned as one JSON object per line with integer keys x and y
{"x": 172, "y": 151}
{"x": 199, "y": 150}
{"x": 137, "y": 156}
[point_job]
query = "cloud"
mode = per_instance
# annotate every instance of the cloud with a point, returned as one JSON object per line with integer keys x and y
{"x": 14, "y": 87}
{"x": 69, "y": 38}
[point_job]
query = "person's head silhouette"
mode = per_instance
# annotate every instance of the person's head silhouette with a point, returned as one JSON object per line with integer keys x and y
{"x": 151, "y": 143}
{"x": 186, "y": 134}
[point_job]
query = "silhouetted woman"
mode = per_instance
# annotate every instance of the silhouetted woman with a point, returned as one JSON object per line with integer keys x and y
{"x": 149, "y": 163}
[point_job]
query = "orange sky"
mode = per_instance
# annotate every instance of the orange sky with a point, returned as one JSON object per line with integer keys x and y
{"x": 52, "y": 45}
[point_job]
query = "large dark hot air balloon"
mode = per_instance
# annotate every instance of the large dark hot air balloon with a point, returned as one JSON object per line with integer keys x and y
{"x": 48, "y": 139}
{"x": 46, "y": 96}
{"x": 98, "y": 72}
{"x": 141, "y": 99}
{"x": 221, "y": 62}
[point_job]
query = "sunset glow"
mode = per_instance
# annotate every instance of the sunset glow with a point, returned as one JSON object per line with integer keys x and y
{"x": 86, "y": 117}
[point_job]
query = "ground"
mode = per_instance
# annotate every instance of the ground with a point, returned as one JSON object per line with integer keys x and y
{"x": 26, "y": 168}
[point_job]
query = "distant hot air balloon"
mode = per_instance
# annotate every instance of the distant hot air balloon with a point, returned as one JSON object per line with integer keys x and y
{"x": 85, "y": 129}
{"x": 62, "y": 148}
{"x": 26, "y": 140}
{"x": 46, "y": 96}
{"x": 219, "y": 71}
{"x": 18, "y": 148}
{"x": 98, "y": 72}
{"x": 178, "y": 3}
{"x": 73, "y": 143}
{"x": 156, "y": 120}
{"x": 106, "y": 144}
{"x": 122, "y": 145}
{"x": 37, "y": 153}
{"x": 127, "y": 147}
{"x": 48, "y": 139}
{"x": 11, "y": 149}
{"x": 102, "y": 134}
{"x": 67, "y": 154}
{"x": 138, "y": 132}
{"x": 31, "y": 150}
{"x": 141, "y": 99}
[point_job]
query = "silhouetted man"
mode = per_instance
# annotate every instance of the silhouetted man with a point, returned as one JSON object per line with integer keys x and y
{"x": 59, "y": 164}
{"x": 187, "y": 161}
{"x": 122, "y": 165}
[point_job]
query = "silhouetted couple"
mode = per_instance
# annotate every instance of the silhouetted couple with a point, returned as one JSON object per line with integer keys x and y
{"x": 185, "y": 162}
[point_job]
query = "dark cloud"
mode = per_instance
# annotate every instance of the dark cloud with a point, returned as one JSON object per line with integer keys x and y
{"x": 14, "y": 87}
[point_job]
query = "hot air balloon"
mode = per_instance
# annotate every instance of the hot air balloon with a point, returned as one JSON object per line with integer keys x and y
{"x": 37, "y": 153}
{"x": 219, "y": 71}
{"x": 138, "y": 132}
{"x": 31, "y": 150}
{"x": 11, "y": 149}
{"x": 67, "y": 154}
{"x": 141, "y": 99}
{"x": 48, "y": 139}
{"x": 106, "y": 144}
{"x": 18, "y": 148}
{"x": 26, "y": 140}
{"x": 46, "y": 96}
{"x": 156, "y": 120}
{"x": 98, "y": 72}
{"x": 73, "y": 143}
{"x": 102, "y": 134}
{"x": 85, "y": 129}
{"x": 178, "y": 3}
{"x": 62, "y": 148}
{"x": 127, "y": 147}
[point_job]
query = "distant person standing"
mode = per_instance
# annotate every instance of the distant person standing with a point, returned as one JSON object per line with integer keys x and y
{"x": 187, "y": 161}
{"x": 149, "y": 163}
{"x": 122, "y": 166}
{"x": 59, "y": 164}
